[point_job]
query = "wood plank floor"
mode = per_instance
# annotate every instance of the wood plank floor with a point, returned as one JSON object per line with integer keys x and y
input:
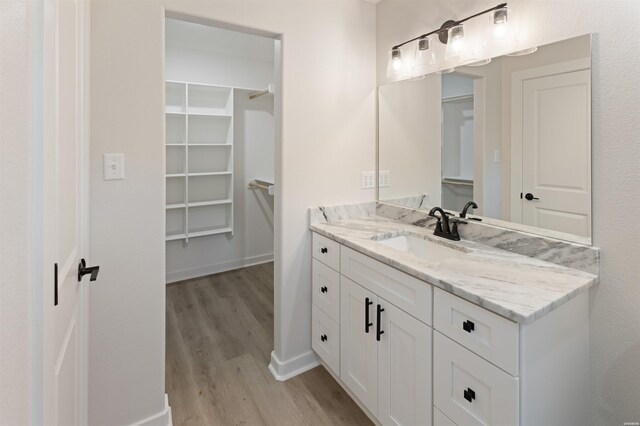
{"x": 219, "y": 341}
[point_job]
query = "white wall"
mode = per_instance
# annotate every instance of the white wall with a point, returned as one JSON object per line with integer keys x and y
{"x": 16, "y": 219}
{"x": 615, "y": 317}
{"x": 328, "y": 130}
{"x": 203, "y": 54}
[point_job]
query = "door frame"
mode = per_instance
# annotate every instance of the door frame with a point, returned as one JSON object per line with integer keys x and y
{"x": 517, "y": 85}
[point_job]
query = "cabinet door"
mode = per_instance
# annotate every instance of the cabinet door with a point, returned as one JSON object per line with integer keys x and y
{"x": 358, "y": 349}
{"x": 404, "y": 368}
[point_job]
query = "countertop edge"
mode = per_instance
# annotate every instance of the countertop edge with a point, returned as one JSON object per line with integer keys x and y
{"x": 457, "y": 291}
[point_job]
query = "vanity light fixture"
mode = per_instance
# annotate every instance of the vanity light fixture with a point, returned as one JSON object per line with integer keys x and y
{"x": 425, "y": 57}
{"x": 501, "y": 31}
{"x": 459, "y": 50}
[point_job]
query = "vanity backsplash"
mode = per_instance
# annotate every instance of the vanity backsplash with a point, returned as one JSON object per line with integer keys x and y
{"x": 572, "y": 255}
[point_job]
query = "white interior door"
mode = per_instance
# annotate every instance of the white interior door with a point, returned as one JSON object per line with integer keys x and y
{"x": 556, "y": 152}
{"x": 64, "y": 204}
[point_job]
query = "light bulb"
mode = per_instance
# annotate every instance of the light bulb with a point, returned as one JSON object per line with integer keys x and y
{"x": 501, "y": 34}
{"x": 424, "y": 58}
{"x": 396, "y": 58}
{"x": 459, "y": 50}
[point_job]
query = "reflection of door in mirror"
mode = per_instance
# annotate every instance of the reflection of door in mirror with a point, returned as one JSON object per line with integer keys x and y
{"x": 457, "y": 141}
{"x": 552, "y": 107}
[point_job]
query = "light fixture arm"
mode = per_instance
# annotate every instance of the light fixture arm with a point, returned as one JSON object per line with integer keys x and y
{"x": 442, "y": 31}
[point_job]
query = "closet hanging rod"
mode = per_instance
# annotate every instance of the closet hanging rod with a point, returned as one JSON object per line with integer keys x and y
{"x": 268, "y": 90}
{"x": 260, "y": 184}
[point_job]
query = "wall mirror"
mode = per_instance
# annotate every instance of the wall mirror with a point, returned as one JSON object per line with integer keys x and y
{"x": 513, "y": 135}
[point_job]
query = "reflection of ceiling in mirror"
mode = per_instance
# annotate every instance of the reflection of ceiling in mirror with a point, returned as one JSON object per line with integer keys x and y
{"x": 448, "y": 138}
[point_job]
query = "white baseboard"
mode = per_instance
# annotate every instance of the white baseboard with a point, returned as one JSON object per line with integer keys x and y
{"x": 285, "y": 370}
{"x": 186, "y": 274}
{"x": 163, "y": 418}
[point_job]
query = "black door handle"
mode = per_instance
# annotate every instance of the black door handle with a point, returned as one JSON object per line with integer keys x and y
{"x": 323, "y": 337}
{"x": 468, "y": 326}
{"x": 529, "y": 196}
{"x": 367, "y": 324}
{"x": 324, "y": 250}
{"x": 469, "y": 394}
{"x": 378, "y": 331}
{"x": 84, "y": 270}
{"x": 323, "y": 289}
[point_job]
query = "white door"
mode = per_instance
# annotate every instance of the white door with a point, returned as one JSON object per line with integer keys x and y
{"x": 358, "y": 349}
{"x": 556, "y": 152}
{"x": 65, "y": 181}
{"x": 404, "y": 369}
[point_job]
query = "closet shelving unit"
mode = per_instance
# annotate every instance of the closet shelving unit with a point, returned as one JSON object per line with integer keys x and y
{"x": 199, "y": 160}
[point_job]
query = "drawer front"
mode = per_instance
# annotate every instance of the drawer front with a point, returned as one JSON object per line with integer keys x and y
{"x": 326, "y": 251}
{"x": 469, "y": 390}
{"x": 440, "y": 419}
{"x": 489, "y": 335}
{"x": 406, "y": 292}
{"x": 326, "y": 289}
{"x": 325, "y": 335}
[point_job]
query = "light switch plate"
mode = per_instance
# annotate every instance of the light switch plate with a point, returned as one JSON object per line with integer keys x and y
{"x": 113, "y": 166}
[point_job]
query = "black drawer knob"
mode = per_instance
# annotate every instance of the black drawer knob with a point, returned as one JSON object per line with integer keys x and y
{"x": 323, "y": 289}
{"x": 323, "y": 337}
{"x": 324, "y": 250}
{"x": 468, "y": 326}
{"x": 469, "y": 394}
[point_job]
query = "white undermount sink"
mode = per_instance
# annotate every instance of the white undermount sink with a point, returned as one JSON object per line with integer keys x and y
{"x": 421, "y": 248}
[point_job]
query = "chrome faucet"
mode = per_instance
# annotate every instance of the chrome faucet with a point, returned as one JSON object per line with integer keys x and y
{"x": 442, "y": 226}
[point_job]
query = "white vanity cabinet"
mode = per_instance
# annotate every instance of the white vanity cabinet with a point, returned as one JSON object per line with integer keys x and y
{"x": 325, "y": 314}
{"x": 412, "y": 354}
{"x": 489, "y": 370}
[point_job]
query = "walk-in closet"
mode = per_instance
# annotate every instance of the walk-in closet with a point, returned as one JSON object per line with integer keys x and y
{"x": 220, "y": 149}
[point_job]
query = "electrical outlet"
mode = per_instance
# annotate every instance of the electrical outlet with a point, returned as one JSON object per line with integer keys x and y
{"x": 368, "y": 180}
{"x": 383, "y": 178}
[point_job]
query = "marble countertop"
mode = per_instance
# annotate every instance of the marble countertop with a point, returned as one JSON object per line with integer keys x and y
{"x": 514, "y": 286}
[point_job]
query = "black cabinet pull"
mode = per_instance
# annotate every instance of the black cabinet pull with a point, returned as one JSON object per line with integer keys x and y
{"x": 468, "y": 326}
{"x": 378, "y": 331}
{"x": 469, "y": 394}
{"x": 324, "y": 250}
{"x": 323, "y": 337}
{"x": 367, "y": 324}
{"x": 323, "y": 289}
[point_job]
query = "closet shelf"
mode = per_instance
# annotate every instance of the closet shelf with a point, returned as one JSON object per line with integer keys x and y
{"x": 209, "y": 232}
{"x": 174, "y": 237}
{"x": 175, "y": 206}
{"x": 209, "y": 203}
{"x": 210, "y": 174}
{"x": 200, "y": 118}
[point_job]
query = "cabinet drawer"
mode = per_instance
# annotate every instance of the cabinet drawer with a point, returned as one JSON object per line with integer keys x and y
{"x": 325, "y": 335}
{"x": 469, "y": 390}
{"x": 406, "y": 292}
{"x": 489, "y": 335}
{"x": 326, "y": 289}
{"x": 440, "y": 419}
{"x": 326, "y": 251}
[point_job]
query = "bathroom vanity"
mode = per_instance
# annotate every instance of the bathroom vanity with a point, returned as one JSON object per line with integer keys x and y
{"x": 421, "y": 330}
